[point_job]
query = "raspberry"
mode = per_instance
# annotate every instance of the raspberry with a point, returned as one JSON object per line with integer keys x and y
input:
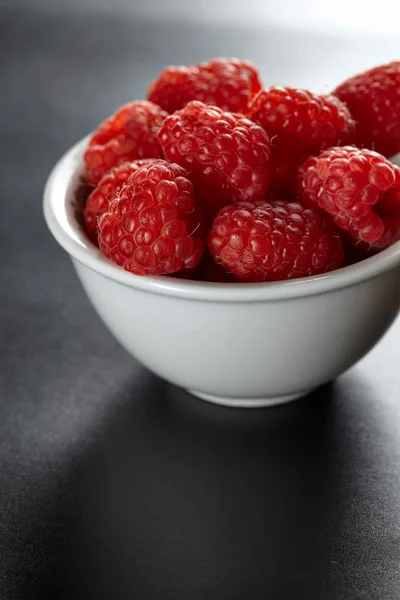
{"x": 373, "y": 98}
{"x": 129, "y": 134}
{"x": 100, "y": 198}
{"x": 359, "y": 189}
{"x": 152, "y": 227}
{"x": 274, "y": 240}
{"x": 227, "y": 155}
{"x": 299, "y": 123}
{"x": 227, "y": 83}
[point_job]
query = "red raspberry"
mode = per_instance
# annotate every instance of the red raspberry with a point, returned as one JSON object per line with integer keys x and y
{"x": 129, "y": 134}
{"x": 360, "y": 189}
{"x": 227, "y": 83}
{"x": 299, "y": 123}
{"x": 227, "y": 155}
{"x": 274, "y": 240}
{"x": 151, "y": 228}
{"x": 99, "y": 200}
{"x": 373, "y": 98}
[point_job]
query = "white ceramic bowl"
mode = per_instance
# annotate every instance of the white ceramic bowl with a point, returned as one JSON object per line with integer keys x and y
{"x": 234, "y": 344}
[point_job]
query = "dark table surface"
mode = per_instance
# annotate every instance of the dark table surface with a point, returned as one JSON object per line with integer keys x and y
{"x": 114, "y": 484}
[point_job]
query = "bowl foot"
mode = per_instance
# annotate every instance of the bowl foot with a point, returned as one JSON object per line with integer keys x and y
{"x": 249, "y": 402}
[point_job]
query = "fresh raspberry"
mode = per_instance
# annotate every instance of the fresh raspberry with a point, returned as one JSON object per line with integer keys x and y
{"x": 227, "y": 83}
{"x": 226, "y": 155}
{"x": 152, "y": 227}
{"x": 299, "y": 123}
{"x": 101, "y": 196}
{"x": 274, "y": 240}
{"x": 129, "y": 134}
{"x": 300, "y": 120}
{"x": 373, "y": 98}
{"x": 359, "y": 189}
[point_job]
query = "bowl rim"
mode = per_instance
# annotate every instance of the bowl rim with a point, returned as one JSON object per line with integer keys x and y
{"x": 59, "y": 213}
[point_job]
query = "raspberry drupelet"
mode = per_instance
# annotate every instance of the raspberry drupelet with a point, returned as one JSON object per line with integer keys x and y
{"x": 129, "y": 134}
{"x": 274, "y": 240}
{"x": 227, "y": 83}
{"x": 109, "y": 186}
{"x": 359, "y": 189}
{"x": 373, "y": 98}
{"x": 226, "y": 155}
{"x": 152, "y": 227}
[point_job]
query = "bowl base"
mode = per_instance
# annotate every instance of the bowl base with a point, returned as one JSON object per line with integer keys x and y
{"x": 249, "y": 402}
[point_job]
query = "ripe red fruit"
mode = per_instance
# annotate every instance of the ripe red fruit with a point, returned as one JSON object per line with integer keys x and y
{"x": 129, "y": 134}
{"x": 226, "y": 155}
{"x": 109, "y": 186}
{"x": 359, "y": 189}
{"x": 373, "y": 98}
{"x": 274, "y": 240}
{"x": 152, "y": 227}
{"x": 299, "y": 123}
{"x": 227, "y": 83}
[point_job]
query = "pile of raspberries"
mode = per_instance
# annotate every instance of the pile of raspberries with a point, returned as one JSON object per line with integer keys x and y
{"x": 214, "y": 178}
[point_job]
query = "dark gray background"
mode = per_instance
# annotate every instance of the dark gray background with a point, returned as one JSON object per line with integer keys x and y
{"x": 114, "y": 484}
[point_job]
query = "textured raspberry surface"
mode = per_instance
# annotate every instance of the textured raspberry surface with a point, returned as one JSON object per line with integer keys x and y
{"x": 226, "y": 155}
{"x": 227, "y": 83}
{"x": 274, "y": 240}
{"x": 152, "y": 227}
{"x": 299, "y": 123}
{"x": 373, "y": 98}
{"x": 359, "y": 189}
{"x": 99, "y": 200}
{"x": 129, "y": 134}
